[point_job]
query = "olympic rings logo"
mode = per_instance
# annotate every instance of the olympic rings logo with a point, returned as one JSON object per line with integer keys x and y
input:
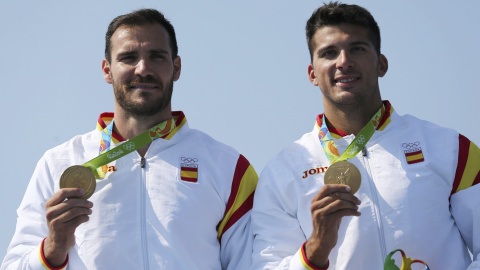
{"x": 129, "y": 146}
{"x": 189, "y": 160}
{"x": 411, "y": 145}
{"x": 361, "y": 139}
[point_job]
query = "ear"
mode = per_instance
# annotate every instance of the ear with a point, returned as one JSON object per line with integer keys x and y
{"x": 107, "y": 75}
{"x": 311, "y": 75}
{"x": 382, "y": 65}
{"x": 177, "y": 68}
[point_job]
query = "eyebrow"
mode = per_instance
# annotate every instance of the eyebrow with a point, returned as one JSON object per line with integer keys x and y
{"x": 360, "y": 43}
{"x": 129, "y": 53}
{"x": 160, "y": 51}
{"x": 354, "y": 43}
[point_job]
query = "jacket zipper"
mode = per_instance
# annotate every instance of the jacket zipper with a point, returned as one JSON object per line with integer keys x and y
{"x": 143, "y": 214}
{"x": 376, "y": 205}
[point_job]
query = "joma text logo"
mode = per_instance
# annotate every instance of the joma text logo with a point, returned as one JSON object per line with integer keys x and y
{"x": 314, "y": 171}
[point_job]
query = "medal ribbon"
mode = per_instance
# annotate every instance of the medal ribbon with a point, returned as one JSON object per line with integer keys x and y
{"x": 104, "y": 147}
{"x": 106, "y": 155}
{"x": 357, "y": 144}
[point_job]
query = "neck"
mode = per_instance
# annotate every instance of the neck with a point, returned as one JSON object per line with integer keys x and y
{"x": 129, "y": 126}
{"x": 350, "y": 118}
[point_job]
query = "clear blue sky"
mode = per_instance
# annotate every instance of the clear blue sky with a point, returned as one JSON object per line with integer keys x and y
{"x": 244, "y": 73}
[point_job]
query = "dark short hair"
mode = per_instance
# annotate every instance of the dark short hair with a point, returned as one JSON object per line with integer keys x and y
{"x": 138, "y": 18}
{"x": 335, "y": 13}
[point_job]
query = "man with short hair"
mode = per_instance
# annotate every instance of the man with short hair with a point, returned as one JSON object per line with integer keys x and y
{"x": 417, "y": 182}
{"x": 168, "y": 197}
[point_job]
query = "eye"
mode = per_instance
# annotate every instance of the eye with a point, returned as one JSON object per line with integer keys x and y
{"x": 358, "y": 49}
{"x": 328, "y": 54}
{"x": 158, "y": 56}
{"x": 126, "y": 58}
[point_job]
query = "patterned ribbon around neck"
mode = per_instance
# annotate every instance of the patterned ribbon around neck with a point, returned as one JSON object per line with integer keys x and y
{"x": 357, "y": 144}
{"x": 98, "y": 165}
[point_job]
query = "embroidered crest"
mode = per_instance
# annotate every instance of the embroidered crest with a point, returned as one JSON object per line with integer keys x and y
{"x": 189, "y": 169}
{"x": 413, "y": 152}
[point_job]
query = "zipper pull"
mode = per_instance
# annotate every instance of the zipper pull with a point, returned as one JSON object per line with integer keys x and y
{"x": 142, "y": 162}
{"x": 364, "y": 151}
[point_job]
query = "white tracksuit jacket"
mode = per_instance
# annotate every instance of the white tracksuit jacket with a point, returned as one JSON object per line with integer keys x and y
{"x": 144, "y": 215}
{"x": 403, "y": 206}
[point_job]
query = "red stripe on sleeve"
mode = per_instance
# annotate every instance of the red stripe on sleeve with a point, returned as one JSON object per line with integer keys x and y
{"x": 240, "y": 169}
{"x": 45, "y": 262}
{"x": 242, "y": 210}
{"x": 477, "y": 179}
{"x": 304, "y": 256}
{"x": 463, "y": 148}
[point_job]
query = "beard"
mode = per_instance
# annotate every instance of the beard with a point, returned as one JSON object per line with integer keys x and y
{"x": 147, "y": 106}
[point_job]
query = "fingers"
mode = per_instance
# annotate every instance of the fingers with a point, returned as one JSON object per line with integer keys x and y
{"x": 65, "y": 206}
{"x": 63, "y": 194}
{"x": 329, "y": 189}
{"x": 335, "y": 200}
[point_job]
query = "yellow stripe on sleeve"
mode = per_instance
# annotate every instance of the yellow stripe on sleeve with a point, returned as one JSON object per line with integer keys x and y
{"x": 472, "y": 168}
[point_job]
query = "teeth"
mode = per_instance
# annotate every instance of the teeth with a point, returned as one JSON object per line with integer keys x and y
{"x": 347, "y": 80}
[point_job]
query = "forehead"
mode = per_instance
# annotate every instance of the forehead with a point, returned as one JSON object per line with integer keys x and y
{"x": 132, "y": 38}
{"x": 342, "y": 34}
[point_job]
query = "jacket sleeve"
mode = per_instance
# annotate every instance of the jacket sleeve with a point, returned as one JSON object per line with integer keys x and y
{"x": 278, "y": 237}
{"x": 465, "y": 199}
{"x": 24, "y": 249}
{"x": 234, "y": 230}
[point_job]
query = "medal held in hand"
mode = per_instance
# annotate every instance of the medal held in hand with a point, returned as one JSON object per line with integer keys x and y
{"x": 79, "y": 177}
{"x": 340, "y": 170}
{"x": 344, "y": 173}
{"x": 84, "y": 176}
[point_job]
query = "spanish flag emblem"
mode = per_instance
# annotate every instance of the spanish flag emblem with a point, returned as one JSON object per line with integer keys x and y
{"x": 189, "y": 174}
{"x": 414, "y": 157}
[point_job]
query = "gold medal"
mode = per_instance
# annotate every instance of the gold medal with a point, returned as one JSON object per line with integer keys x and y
{"x": 79, "y": 177}
{"x": 344, "y": 173}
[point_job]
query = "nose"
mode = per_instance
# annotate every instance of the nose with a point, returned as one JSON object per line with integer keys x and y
{"x": 344, "y": 61}
{"x": 142, "y": 68}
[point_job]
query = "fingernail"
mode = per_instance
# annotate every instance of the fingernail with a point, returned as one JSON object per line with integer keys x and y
{"x": 348, "y": 189}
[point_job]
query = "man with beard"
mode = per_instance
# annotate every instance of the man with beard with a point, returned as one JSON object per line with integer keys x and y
{"x": 168, "y": 197}
{"x": 365, "y": 181}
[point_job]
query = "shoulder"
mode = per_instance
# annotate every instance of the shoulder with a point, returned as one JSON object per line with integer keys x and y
{"x": 76, "y": 148}
{"x": 410, "y": 121}
{"x": 297, "y": 151}
{"x": 290, "y": 163}
{"x": 206, "y": 144}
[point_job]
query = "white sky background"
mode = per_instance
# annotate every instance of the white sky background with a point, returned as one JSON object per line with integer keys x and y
{"x": 244, "y": 73}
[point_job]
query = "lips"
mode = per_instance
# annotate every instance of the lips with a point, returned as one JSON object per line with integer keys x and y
{"x": 346, "y": 80}
{"x": 143, "y": 86}
{"x": 147, "y": 82}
